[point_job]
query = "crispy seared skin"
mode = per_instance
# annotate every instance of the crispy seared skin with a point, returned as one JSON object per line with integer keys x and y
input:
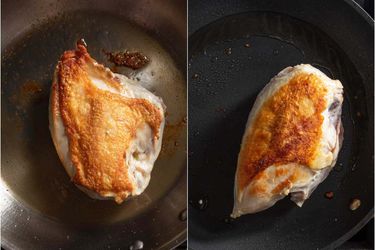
{"x": 287, "y": 129}
{"x": 99, "y": 124}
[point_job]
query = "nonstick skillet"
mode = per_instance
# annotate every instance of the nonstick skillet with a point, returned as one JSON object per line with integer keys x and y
{"x": 235, "y": 48}
{"x": 40, "y": 207}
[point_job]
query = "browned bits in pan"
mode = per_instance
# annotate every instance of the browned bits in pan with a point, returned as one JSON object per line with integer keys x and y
{"x": 355, "y": 204}
{"x": 29, "y": 92}
{"x": 329, "y": 195}
{"x": 228, "y": 51}
{"x": 134, "y": 60}
{"x": 30, "y": 88}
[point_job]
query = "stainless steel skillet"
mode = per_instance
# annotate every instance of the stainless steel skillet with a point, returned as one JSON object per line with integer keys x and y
{"x": 41, "y": 208}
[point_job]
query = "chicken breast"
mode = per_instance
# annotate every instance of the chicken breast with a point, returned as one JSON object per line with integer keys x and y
{"x": 106, "y": 129}
{"x": 291, "y": 142}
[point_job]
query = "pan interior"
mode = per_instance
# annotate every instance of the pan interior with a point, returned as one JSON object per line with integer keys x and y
{"x": 230, "y": 61}
{"x": 31, "y": 169}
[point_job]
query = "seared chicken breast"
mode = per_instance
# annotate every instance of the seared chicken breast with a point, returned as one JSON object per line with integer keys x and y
{"x": 106, "y": 129}
{"x": 291, "y": 142}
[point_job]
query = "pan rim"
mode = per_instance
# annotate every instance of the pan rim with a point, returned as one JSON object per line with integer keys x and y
{"x": 352, "y": 232}
{"x": 361, "y": 11}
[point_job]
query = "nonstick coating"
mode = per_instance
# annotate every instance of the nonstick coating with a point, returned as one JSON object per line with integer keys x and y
{"x": 41, "y": 208}
{"x": 235, "y": 48}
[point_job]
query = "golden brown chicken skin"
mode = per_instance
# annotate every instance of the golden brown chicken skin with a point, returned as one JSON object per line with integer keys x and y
{"x": 99, "y": 124}
{"x": 292, "y": 139}
{"x": 287, "y": 129}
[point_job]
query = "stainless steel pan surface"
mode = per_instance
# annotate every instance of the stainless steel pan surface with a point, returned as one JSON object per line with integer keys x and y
{"x": 41, "y": 208}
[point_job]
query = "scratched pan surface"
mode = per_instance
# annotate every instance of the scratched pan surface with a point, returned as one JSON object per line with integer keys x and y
{"x": 235, "y": 48}
{"x": 41, "y": 208}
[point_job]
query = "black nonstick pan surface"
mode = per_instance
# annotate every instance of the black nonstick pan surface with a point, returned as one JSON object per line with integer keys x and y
{"x": 40, "y": 206}
{"x": 235, "y": 48}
